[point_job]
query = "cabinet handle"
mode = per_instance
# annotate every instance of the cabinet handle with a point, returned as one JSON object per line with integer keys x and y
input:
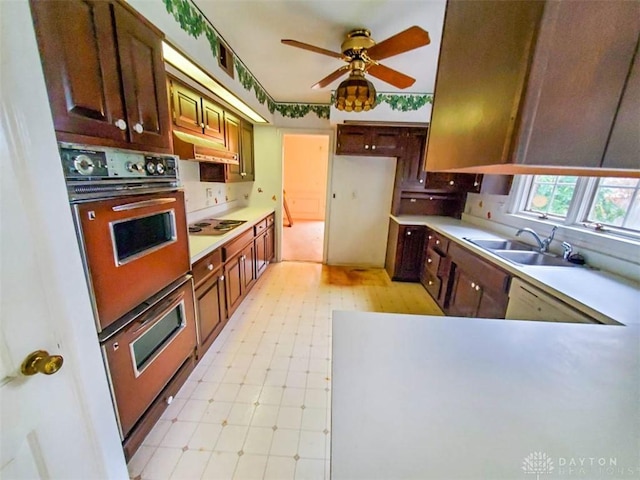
{"x": 421, "y": 181}
{"x": 437, "y": 242}
{"x": 477, "y": 288}
{"x": 221, "y": 278}
{"x": 430, "y": 282}
{"x": 429, "y": 260}
{"x": 473, "y": 285}
{"x": 430, "y": 237}
{"x": 409, "y": 232}
{"x": 373, "y": 147}
{"x": 210, "y": 267}
{"x": 242, "y": 174}
{"x": 121, "y": 124}
{"x": 430, "y": 198}
{"x": 202, "y": 125}
{"x": 452, "y": 182}
{"x": 366, "y": 147}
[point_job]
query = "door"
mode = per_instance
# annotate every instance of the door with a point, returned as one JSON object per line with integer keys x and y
{"x": 465, "y": 296}
{"x": 411, "y": 249}
{"x": 143, "y": 79}
{"x": 213, "y": 120}
{"x": 246, "y": 151}
{"x": 232, "y": 135}
{"x": 79, "y": 58}
{"x": 58, "y": 426}
{"x": 210, "y": 298}
{"x": 362, "y": 188}
{"x": 233, "y": 274}
{"x": 412, "y": 160}
{"x": 187, "y": 111}
{"x": 248, "y": 267}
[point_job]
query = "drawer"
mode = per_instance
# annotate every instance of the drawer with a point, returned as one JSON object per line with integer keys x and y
{"x": 233, "y": 247}
{"x": 432, "y": 284}
{"x": 438, "y": 242}
{"x": 437, "y": 263}
{"x": 271, "y": 219}
{"x": 260, "y": 227}
{"x": 204, "y": 267}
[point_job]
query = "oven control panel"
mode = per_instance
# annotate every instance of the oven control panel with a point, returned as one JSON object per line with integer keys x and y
{"x": 81, "y": 162}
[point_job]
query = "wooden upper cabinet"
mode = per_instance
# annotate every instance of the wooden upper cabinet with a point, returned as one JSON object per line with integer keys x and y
{"x": 144, "y": 81}
{"x": 213, "y": 120}
{"x": 187, "y": 108}
{"x": 104, "y": 73}
{"x": 534, "y": 86}
{"x": 232, "y": 133}
{"x": 79, "y": 58}
{"x": 247, "y": 161}
{"x": 579, "y": 70}
{"x": 482, "y": 68}
{"x": 411, "y": 162}
{"x": 623, "y": 150}
{"x": 368, "y": 140}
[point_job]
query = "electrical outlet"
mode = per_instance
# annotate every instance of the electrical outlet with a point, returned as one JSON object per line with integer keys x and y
{"x": 209, "y": 192}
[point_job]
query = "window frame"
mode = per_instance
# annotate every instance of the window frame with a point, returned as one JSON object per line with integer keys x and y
{"x": 579, "y": 207}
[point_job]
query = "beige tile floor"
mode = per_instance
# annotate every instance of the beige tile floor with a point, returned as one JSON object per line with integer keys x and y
{"x": 258, "y": 405}
{"x": 303, "y": 241}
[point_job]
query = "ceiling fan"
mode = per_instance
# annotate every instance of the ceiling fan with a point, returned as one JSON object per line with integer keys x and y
{"x": 362, "y": 53}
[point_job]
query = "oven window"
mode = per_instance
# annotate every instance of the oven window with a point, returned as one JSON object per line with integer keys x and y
{"x": 157, "y": 336}
{"x": 135, "y": 237}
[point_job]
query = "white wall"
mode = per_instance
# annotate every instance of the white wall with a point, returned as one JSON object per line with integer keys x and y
{"x": 382, "y": 113}
{"x": 359, "y": 213}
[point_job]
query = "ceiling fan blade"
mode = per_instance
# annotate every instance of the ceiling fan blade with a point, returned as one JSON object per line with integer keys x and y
{"x": 391, "y": 76}
{"x": 331, "y": 77}
{"x": 312, "y": 48}
{"x": 412, "y": 37}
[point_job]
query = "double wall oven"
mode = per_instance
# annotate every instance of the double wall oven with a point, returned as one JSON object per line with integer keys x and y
{"x": 131, "y": 224}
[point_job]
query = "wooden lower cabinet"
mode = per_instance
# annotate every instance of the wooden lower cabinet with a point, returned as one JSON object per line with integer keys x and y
{"x": 480, "y": 289}
{"x": 233, "y": 273}
{"x": 405, "y": 247}
{"x": 265, "y": 250}
{"x": 248, "y": 267}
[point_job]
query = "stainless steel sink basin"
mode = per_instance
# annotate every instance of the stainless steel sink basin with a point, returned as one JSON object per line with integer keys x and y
{"x": 533, "y": 258}
{"x": 501, "y": 244}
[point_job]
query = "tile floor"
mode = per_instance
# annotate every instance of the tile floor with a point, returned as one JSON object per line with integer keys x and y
{"x": 258, "y": 405}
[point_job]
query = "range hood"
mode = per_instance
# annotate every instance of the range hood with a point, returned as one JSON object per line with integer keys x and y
{"x": 192, "y": 147}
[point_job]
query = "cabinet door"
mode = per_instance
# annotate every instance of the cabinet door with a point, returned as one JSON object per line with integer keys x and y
{"x": 144, "y": 81}
{"x": 213, "y": 120}
{"x": 352, "y": 140}
{"x": 624, "y": 145}
{"x": 232, "y": 134}
{"x": 465, "y": 296}
{"x": 484, "y": 59}
{"x": 210, "y": 300}
{"x": 187, "y": 108}
{"x": 411, "y": 162}
{"x": 410, "y": 253}
{"x": 246, "y": 152}
{"x": 248, "y": 267}
{"x": 270, "y": 241}
{"x": 78, "y": 52}
{"x": 261, "y": 254}
{"x": 234, "y": 283}
{"x": 385, "y": 142}
{"x": 492, "y": 305}
{"x": 576, "y": 82}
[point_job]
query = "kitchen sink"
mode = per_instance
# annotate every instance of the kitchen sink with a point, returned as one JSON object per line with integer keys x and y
{"x": 533, "y": 258}
{"x": 520, "y": 253}
{"x": 501, "y": 244}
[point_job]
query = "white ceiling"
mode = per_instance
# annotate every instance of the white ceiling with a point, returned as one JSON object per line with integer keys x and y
{"x": 253, "y": 29}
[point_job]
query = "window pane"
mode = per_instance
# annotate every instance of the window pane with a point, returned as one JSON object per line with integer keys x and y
{"x": 616, "y": 203}
{"x": 551, "y": 194}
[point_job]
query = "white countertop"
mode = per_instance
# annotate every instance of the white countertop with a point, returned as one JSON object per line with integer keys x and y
{"x": 201, "y": 245}
{"x": 602, "y": 295}
{"x": 446, "y": 398}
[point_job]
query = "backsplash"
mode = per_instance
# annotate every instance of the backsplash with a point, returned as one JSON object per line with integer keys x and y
{"x": 208, "y": 198}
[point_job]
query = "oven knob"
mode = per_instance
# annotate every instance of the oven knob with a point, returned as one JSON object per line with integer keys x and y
{"x": 135, "y": 167}
{"x": 160, "y": 169}
{"x": 151, "y": 168}
{"x": 83, "y": 164}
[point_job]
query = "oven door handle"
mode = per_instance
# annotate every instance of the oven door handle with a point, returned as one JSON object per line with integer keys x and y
{"x": 144, "y": 203}
{"x": 157, "y": 313}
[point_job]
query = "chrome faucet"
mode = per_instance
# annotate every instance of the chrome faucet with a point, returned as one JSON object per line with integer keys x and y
{"x": 543, "y": 245}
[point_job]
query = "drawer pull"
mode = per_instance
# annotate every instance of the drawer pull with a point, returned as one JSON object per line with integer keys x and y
{"x": 209, "y": 267}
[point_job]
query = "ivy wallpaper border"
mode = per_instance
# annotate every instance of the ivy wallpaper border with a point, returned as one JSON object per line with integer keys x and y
{"x": 193, "y": 22}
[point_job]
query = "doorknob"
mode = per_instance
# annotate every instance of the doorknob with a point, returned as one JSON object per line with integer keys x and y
{"x": 41, "y": 362}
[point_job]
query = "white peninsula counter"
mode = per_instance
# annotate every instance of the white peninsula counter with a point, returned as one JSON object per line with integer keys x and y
{"x": 446, "y": 398}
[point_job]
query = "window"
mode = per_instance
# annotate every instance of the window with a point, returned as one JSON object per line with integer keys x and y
{"x": 611, "y": 204}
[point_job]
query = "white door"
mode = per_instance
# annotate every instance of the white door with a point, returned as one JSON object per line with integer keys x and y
{"x": 361, "y": 194}
{"x": 62, "y": 425}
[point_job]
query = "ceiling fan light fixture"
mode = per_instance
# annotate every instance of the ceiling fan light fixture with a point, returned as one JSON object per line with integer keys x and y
{"x": 355, "y": 94}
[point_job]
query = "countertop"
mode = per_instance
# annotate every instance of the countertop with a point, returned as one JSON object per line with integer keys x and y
{"x": 201, "y": 245}
{"x": 445, "y": 397}
{"x": 602, "y": 295}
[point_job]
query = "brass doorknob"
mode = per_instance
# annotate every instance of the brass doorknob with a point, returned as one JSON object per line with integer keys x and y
{"x": 41, "y": 362}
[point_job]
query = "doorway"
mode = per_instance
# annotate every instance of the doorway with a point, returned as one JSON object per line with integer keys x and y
{"x": 305, "y": 165}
